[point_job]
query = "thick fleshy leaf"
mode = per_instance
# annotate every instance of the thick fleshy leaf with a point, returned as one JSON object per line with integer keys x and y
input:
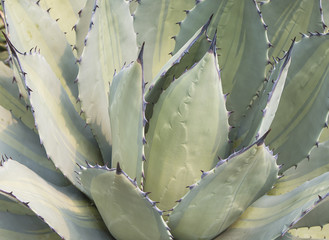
{"x": 13, "y": 214}
{"x": 304, "y": 103}
{"x": 222, "y": 194}
{"x": 22, "y": 144}
{"x": 313, "y": 166}
{"x": 261, "y": 113}
{"x": 63, "y": 133}
{"x": 9, "y": 97}
{"x": 110, "y": 43}
{"x": 192, "y": 52}
{"x": 156, "y": 22}
{"x": 187, "y": 132}
{"x": 76, "y": 219}
{"x": 30, "y": 29}
{"x": 65, "y": 12}
{"x": 271, "y": 216}
{"x": 126, "y": 210}
{"x": 242, "y": 50}
{"x": 127, "y": 107}
{"x": 287, "y": 19}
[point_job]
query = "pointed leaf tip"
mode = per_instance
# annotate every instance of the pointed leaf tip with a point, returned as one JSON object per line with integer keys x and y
{"x": 205, "y": 27}
{"x": 262, "y": 139}
{"x": 118, "y": 169}
{"x": 212, "y": 48}
{"x": 140, "y": 55}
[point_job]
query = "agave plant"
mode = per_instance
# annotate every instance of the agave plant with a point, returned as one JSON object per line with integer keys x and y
{"x": 225, "y": 137}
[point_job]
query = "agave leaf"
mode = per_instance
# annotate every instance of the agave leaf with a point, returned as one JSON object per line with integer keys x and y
{"x": 259, "y": 117}
{"x": 233, "y": 185}
{"x": 192, "y": 52}
{"x": 110, "y": 43}
{"x": 271, "y": 216}
{"x": 83, "y": 25}
{"x": 62, "y": 131}
{"x": 316, "y": 217}
{"x": 65, "y": 12}
{"x": 23, "y": 145}
{"x": 156, "y": 22}
{"x": 30, "y": 29}
{"x": 304, "y": 97}
{"x": 30, "y": 227}
{"x": 187, "y": 132}
{"x": 77, "y": 219}
{"x": 126, "y": 210}
{"x": 287, "y": 19}
{"x": 315, "y": 165}
{"x": 242, "y": 53}
{"x": 127, "y": 107}
{"x": 9, "y": 97}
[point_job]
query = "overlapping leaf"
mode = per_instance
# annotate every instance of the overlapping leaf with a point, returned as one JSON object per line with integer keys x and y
{"x": 221, "y": 196}
{"x": 127, "y": 211}
{"x": 189, "y": 128}
{"x": 62, "y": 131}
{"x": 76, "y": 219}
{"x": 31, "y": 28}
{"x": 156, "y": 22}
{"x": 110, "y": 43}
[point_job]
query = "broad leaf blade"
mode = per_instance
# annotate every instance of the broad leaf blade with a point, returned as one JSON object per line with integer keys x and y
{"x": 242, "y": 50}
{"x": 304, "y": 102}
{"x": 187, "y": 132}
{"x": 127, "y": 211}
{"x": 110, "y": 43}
{"x": 76, "y": 219}
{"x": 315, "y": 165}
{"x": 32, "y": 29}
{"x": 127, "y": 107}
{"x": 62, "y": 131}
{"x": 221, "y": 196}
{"x": 271, "y": 216}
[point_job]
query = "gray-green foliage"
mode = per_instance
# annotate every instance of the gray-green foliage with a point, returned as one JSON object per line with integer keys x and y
{"x": 164, "y": 119}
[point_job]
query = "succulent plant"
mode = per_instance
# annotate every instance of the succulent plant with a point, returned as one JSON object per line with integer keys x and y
{"x": 104, "y": 135}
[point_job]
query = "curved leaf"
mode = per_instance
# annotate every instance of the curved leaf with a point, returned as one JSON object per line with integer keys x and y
{"x": 304, "y": 103}
{"x": 222, "y": 194}
{"x": 110, "y": 43}
{"x": 271, "y": 216}
{"x": 187, "y": 132}
{"x": 76, "y": 219}
{"x": 127, "y": 211}
{"x": 127, "y": 107}
{"x": 30, "y": 29}
{"x": 242, "y": 52}
{"x": 62, "y": 131}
